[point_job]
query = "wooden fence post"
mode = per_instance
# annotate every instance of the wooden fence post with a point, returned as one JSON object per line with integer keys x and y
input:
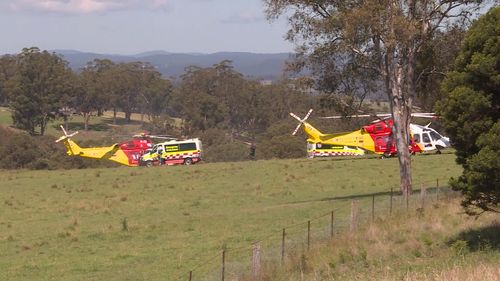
{"x": 331, "y": 225}
{"x": 256, "y": 261}
{"x": 223, "y": 264}
{"x": 308, "y": 235}
{"x": 390, "y": 205}
{"x": 437, "y": 190}
{"x": 407, "y": 198}
{"x": 283, "y": 247}
{"x": 373, "y": 208}
{"x": 354, "y": 215}
{"x": 422, "y": 196}
{"x": 190, "y": 275}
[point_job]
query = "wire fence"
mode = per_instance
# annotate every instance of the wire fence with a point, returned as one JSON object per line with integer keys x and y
{"x": 248, "y": 262}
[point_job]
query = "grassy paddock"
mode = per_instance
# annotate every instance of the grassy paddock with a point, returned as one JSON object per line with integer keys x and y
{"x": 440, "y": 243}
{"x": 5, "y": 116}
{"x": 155, "y": 223}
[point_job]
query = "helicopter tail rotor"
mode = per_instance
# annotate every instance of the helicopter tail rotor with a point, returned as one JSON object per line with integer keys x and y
{"x": 301, "y": 121}
{"x": 66, "y": 136}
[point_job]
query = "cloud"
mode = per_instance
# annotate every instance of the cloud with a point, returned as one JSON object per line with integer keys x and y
{"x": 87, "y": 6}
{"x": 245, "y": 17}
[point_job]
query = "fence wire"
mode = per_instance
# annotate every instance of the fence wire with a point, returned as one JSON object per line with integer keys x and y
{"x": 292, "y": 241}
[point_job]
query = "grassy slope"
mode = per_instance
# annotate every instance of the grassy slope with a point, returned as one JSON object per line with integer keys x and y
{"x": 67, "y": 225}
{"x": 441, "y": 244}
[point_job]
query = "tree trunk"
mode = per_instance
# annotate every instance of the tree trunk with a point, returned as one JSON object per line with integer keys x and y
{"x": 400, "y": 115}
{"x": 114, "y": 115}
{"x": 86, "y": 118}
{"x": 43, "y": 124}
{"x": 66, "y": 122}
{"x": 127, "y": 116}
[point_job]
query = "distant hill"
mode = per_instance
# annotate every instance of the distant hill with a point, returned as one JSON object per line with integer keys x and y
{"x": 252, "y": 65}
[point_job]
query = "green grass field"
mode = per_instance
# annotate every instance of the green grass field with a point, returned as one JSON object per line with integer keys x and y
{"x": 69, "y": 225}
{"x": 5, "y": 116}
{"x": 100, "y": 127}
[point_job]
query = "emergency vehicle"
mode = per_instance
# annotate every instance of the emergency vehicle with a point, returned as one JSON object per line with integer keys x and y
{"x": 173, "y": 152}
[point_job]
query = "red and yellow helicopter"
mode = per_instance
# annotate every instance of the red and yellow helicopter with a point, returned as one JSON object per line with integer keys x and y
{"x": 126, "y": 153}
{"x": 376, "y": 137}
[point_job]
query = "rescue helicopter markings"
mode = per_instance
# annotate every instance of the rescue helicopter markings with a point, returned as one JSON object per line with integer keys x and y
{"x": 427, "y": 137}
{"x": 376, "y": 137}
{"x": 140, "y": 151}
{"x": 126, "y": 153}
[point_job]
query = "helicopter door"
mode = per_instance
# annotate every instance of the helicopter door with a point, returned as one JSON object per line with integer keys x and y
{"x": 426, "y": 140}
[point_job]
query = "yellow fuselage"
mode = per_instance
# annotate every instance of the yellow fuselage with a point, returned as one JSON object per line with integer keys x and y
{"x": 358, "y": 138}
{"x": 113, "y": 152}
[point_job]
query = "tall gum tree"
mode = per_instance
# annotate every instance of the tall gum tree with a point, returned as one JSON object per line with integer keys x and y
{"x": 381, "y": 36}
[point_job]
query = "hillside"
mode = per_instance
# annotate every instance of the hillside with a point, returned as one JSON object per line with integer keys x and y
{"x": 251, "y": 65}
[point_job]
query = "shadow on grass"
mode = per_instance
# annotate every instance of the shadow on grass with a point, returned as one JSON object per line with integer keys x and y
{"x": 431, "y": 191}
{"x": 120, "y": 121}
{"x": 80, "y": 126}
{"x": 485, "y": 238}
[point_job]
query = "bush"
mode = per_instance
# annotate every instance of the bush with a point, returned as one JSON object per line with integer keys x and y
{"x": 19, "y": 150}
{"x": 218, "y": 146}
{"x": 277, "y": 142}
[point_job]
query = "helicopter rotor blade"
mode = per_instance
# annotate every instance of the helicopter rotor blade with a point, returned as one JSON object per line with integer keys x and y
{"x": 296, "y": 129}
{"x": 347, "y": 116}
{"x": 380, "y": 116}
{"x": 296, "y": 117}
{"x": 307, "y": 115}
{"x": 64, "y": 131}
{"x": 66, "y": 136}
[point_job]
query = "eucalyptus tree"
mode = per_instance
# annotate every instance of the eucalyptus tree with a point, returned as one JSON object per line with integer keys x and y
{"x": 383, "y": 37}
{"x": 94, "y": 90}
{"x": 40, "y": 87}
{"x": 7, "y": 71}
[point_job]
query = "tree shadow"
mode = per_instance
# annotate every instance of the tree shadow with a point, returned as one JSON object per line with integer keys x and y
{"x": 120, "y": 121}
{"x": 430, "y": 190}
{"x": 80, "y": 126}
{"x": 484, "y": 238}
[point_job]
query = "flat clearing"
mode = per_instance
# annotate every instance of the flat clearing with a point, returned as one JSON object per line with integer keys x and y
{"x": 155, "y": 223}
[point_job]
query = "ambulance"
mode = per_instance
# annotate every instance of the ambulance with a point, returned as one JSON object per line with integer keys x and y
{"x": 173, "y": 152}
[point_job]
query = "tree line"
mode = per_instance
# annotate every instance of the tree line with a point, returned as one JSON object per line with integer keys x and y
{"x": 218, "y": 104}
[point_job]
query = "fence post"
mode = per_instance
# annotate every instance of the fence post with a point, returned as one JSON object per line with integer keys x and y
{"x": 422, "y": 196}
{"x": 190, "y": 275}
{"x": 256, "y": 261}
{"x": 331, "y": 226}
{"x": 373, "y": 208}
{"x": 308, "y": 235}
{"x": 437, "y": 190}
{"x": 354, "y": 215}
{"x": 390, "y": 206}
{"x": 223, "y": 264}
{"x": 283, "y": 246}
{"x": 407, "y": 198}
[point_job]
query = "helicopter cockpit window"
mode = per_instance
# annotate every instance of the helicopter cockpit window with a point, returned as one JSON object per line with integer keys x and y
{"x": 426, "y": 138}
{"x": 416, "y": 137}
{"x": 435, "y": 136}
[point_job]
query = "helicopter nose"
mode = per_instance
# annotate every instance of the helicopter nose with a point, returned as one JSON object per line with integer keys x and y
{"x": 446, "y": 141}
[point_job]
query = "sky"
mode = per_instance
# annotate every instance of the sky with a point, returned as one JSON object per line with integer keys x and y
{"x": 135, "y": 26}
